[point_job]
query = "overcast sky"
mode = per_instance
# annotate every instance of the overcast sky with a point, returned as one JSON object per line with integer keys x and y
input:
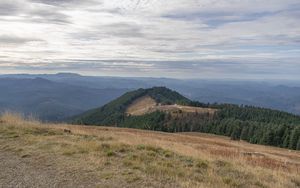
{"x": 255, "y": 39}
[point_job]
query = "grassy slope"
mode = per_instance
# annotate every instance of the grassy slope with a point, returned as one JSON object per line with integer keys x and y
{"x": 111, "y": 157}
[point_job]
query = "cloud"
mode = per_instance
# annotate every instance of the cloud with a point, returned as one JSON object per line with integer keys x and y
{"x": 253, "y": 68}
{"x": 118, "y": 30}
{"x": 8, "y": 40}
{"x": 184, "y": 37}
{"x": 123, "y": 30}
{"x": 22, "y": 11}
{"x": 48, "y": 16}
{"x": 65, "y": 3}
{"x": 10, "y": 7}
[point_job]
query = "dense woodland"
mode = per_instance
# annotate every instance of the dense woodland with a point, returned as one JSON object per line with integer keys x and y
{"x": 252, "y": 124}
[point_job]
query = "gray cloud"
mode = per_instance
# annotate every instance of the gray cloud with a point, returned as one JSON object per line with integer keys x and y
{"x": 179, "y": 69}
{"x": 66, "y": 3}
{"x": 26, "y": 13}
{"x": 6, "y": 39}
{"x": 123, "y": 30}
{"x": 9, "y": 8}
{"x": 48, "y": 16}
{"x": 215, "y": 19}
{"x": 177, "y": 38}
{"x": 120, "y": 30}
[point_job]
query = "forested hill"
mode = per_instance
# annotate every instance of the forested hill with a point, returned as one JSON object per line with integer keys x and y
{"x": 256, "y": 125}
{"x": 113, "y": 113}
{"x": 252, "y": 113}
{"x": 252, "y": 124}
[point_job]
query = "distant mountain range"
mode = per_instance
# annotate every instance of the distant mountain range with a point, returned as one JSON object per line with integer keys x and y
{"x": 51, "y": 101}
{"x": 54, "y": 97}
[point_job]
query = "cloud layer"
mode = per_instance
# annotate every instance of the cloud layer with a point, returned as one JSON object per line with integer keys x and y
{"x": 178, "y": 38}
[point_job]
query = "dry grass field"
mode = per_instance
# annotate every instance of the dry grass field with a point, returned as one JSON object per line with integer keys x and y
{"x": 141, "y": 106}
{"x": 146, "y": 104}
{"x": 47, "y": 155}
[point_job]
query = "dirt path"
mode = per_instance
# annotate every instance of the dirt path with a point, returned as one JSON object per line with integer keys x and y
{"x": 28, "y": 171}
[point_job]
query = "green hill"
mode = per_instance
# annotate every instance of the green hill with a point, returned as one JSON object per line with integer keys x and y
{"x": 113, "y": 113}
{"x": 173, "y": 112}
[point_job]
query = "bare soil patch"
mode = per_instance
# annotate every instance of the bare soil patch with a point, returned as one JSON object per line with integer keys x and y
{"x": 146, "y": 105}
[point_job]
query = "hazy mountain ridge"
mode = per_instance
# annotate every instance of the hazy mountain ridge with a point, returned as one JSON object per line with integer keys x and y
{"x": 278, "y": 95}
{"x": 48, "y": 100}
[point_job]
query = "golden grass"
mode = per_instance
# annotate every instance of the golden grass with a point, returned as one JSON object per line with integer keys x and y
{"x": 186, "y": 109}
{"x": 146, "y": 104}
{"x": 141, "y": 106}
{"x": 138, "y": 158}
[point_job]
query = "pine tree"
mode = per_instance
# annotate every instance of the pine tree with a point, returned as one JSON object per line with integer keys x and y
{"x": 244, "y": 134}
{"x": 294, "y": 138}
{"x": 235, "y": 135}
{"x": 267, "y": 138}
{"x": 286, "y": 139}
{"x": 298, "y": 144}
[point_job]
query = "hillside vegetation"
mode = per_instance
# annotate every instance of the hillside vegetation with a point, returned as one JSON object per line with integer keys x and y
{"x": 252, "y": 124}
{"x": 81, "y": 156}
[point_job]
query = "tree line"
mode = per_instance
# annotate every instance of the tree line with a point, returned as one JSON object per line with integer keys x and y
{"x": 251, "y": 124}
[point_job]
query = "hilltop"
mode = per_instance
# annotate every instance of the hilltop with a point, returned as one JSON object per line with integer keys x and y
{"x": 115, "y": 111}
{"x": 162, "y": 109}
{"x": 81, "y": 156}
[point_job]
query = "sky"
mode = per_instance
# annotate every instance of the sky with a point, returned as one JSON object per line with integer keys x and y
{"x": 238, "y": 39}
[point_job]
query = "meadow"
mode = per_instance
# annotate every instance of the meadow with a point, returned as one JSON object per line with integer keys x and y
{"x": 35, "y": 154}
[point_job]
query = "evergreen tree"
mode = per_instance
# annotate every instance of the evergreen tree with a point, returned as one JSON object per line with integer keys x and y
{"x": 235, "y": 135}
{"x": 244, "y": 134}
{"x": 294, "y": 138}
{"x": 298, "y": 145}
{"x": 286, "y": 139}
{"x": 267, "y": 138}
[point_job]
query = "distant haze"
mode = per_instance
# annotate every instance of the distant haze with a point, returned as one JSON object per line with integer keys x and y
{"x": 232, "y": 39}
{"x": 54, "y": 97}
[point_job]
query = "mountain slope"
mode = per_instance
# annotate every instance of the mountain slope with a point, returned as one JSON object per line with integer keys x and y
{"x": 162, "y": 109}
{"x": 51, "y": 101}
{"x": 113, "y": 113}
